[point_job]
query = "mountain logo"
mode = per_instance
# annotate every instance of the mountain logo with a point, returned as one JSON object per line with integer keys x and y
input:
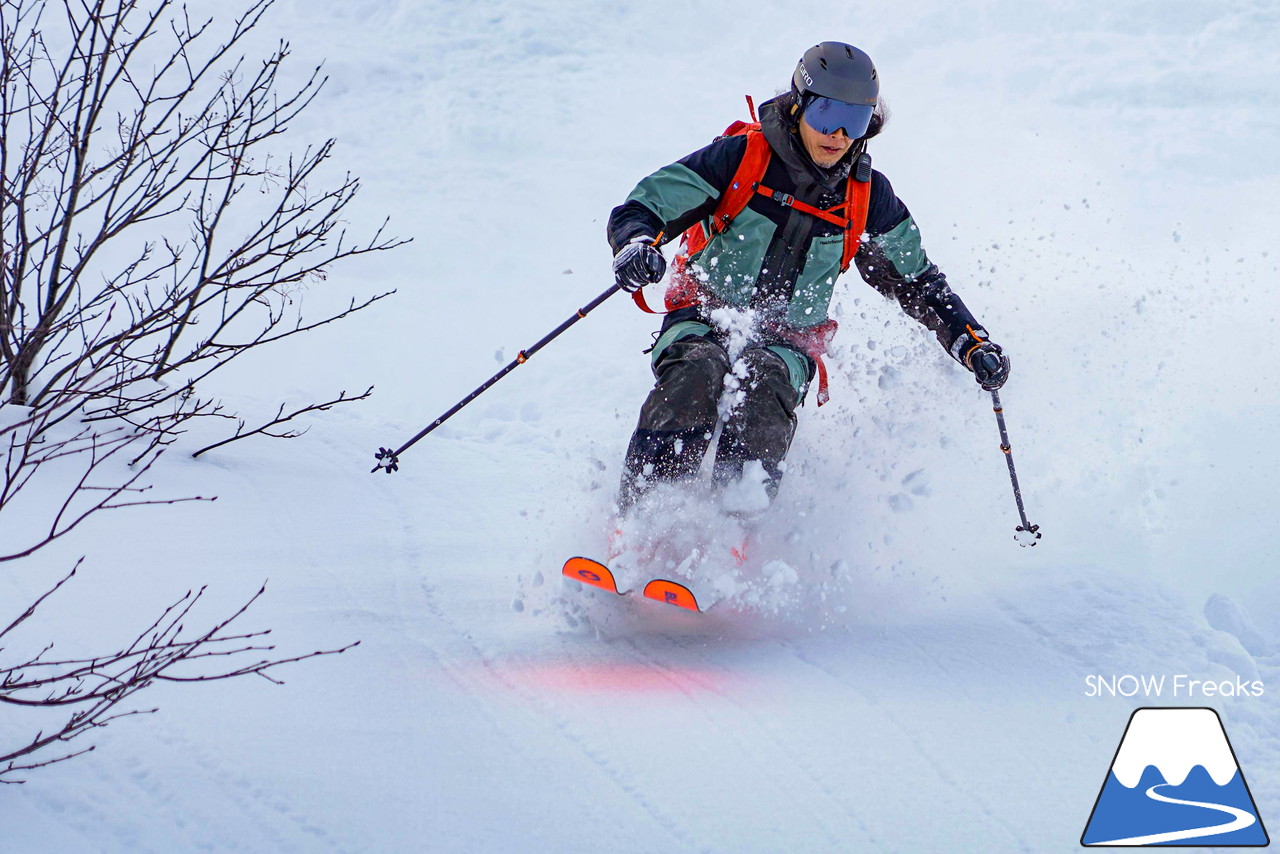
{"x": 1175, "y": 781}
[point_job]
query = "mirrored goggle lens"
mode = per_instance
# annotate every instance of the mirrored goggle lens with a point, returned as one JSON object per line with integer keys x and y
{"x": 826, "y": 115}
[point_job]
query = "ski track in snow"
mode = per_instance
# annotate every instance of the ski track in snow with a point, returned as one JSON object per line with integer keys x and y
{"x": 769, "y": 751}
{"x": 472, "y": 683}
{"x": 912, "y": 741}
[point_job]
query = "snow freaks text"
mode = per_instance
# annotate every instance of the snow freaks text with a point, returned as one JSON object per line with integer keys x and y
{"x": 1179, "y": 685}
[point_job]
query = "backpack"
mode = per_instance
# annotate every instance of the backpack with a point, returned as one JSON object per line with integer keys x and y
{"x": 684, "y": 289}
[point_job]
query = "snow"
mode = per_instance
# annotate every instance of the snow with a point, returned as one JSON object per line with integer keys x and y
{"x": 1098, "y": 181}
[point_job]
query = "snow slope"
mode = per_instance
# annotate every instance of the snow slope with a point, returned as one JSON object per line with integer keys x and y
{"x": 1098, "y": 181}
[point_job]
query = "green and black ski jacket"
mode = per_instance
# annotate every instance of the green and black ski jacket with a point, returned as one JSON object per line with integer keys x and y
{"x": 781, "y": 260}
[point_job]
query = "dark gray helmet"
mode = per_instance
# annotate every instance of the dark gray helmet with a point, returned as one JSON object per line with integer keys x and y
{"x": 839, "y": 71}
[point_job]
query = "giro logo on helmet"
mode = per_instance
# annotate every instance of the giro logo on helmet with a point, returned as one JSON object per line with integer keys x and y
{"x": 805, "y": 74}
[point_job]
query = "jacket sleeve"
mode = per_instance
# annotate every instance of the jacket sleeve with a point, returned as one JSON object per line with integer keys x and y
{"x": 677, "y": 196}
{"x": 892, "y": 260}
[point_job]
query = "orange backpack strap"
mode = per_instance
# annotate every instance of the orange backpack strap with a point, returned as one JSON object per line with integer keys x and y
{"x": 683, "y": 290}
{"x": 857, "y": 201}
{"x": 745, "y": 180}
{"x": 858, "y": 198}
{"x": 831, "y": 215}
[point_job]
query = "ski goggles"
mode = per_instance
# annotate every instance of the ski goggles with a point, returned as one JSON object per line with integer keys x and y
{"x": 827, "y": 115}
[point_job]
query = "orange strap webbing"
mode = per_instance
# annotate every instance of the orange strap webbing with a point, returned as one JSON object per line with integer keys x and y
{"x": 755, "y": 160}
{"x": 857, "y": 198}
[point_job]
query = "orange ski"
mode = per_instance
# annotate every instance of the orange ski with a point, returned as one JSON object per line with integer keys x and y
{"x": 671, "y": 593}
{"x": 596, "y": 574}
{"x": 591, "y": 572}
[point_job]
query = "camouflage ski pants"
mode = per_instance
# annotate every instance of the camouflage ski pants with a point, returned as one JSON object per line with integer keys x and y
{"x": 678, "y": 419}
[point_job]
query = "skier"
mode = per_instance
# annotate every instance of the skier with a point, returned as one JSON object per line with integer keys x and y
{"x": 776, "y": 260}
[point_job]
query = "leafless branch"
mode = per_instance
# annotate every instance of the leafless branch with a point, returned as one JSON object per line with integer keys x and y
{"x": 281, "y": 418}
{"x": 101, "y": 688}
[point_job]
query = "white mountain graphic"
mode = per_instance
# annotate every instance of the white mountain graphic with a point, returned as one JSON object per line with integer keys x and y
{"x": 1174, "y": 741}
{"x": 1174, "y": 780}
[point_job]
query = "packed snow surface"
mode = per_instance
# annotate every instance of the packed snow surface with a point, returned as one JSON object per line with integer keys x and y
{"x": 1097, "y": 179}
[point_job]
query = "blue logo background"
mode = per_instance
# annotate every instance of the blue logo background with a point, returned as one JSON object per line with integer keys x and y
{"x": 1154, "y": 812}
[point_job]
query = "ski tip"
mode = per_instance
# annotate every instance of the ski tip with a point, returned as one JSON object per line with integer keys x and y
{"x": 589, "y": 571}
{"x": 671, "y": 593}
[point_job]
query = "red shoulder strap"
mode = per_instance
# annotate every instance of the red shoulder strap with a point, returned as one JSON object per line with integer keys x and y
{"x": 745, "y": 180}
{"x": 850, "y": 215}
{"x": 732, "y": 202}
{"x": 858, "y": 198}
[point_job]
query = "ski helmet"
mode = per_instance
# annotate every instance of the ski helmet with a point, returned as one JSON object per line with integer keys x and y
{"x": 838, "y": 88}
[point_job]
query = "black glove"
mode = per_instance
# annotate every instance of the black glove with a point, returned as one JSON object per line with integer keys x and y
{"x": 989, "y": 364}
{"x": 637, "y": 264}
{"x": 987, "y": 361}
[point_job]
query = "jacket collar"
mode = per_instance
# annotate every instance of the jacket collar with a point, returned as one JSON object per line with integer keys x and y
{"x": 783, "y": 137}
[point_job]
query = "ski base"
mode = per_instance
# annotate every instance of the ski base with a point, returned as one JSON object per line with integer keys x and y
{"x": 595, "y": 574}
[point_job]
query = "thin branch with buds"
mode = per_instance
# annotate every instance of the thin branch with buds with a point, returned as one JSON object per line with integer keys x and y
{"x": 281, "y": 418}
{"x": 100, "y": 688}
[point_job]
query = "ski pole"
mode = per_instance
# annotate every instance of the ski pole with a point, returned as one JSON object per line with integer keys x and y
{"x": 389, "y": 460}
{"x": 1025, "y": 534}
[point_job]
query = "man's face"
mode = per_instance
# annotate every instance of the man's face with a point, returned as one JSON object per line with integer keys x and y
{"x": 826, "y": 149}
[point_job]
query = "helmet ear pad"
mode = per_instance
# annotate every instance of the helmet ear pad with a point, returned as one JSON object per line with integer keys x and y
{"x": 878, "y": 119}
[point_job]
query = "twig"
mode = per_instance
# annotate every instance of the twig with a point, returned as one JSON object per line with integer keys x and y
{"x": 281, "y": 418}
